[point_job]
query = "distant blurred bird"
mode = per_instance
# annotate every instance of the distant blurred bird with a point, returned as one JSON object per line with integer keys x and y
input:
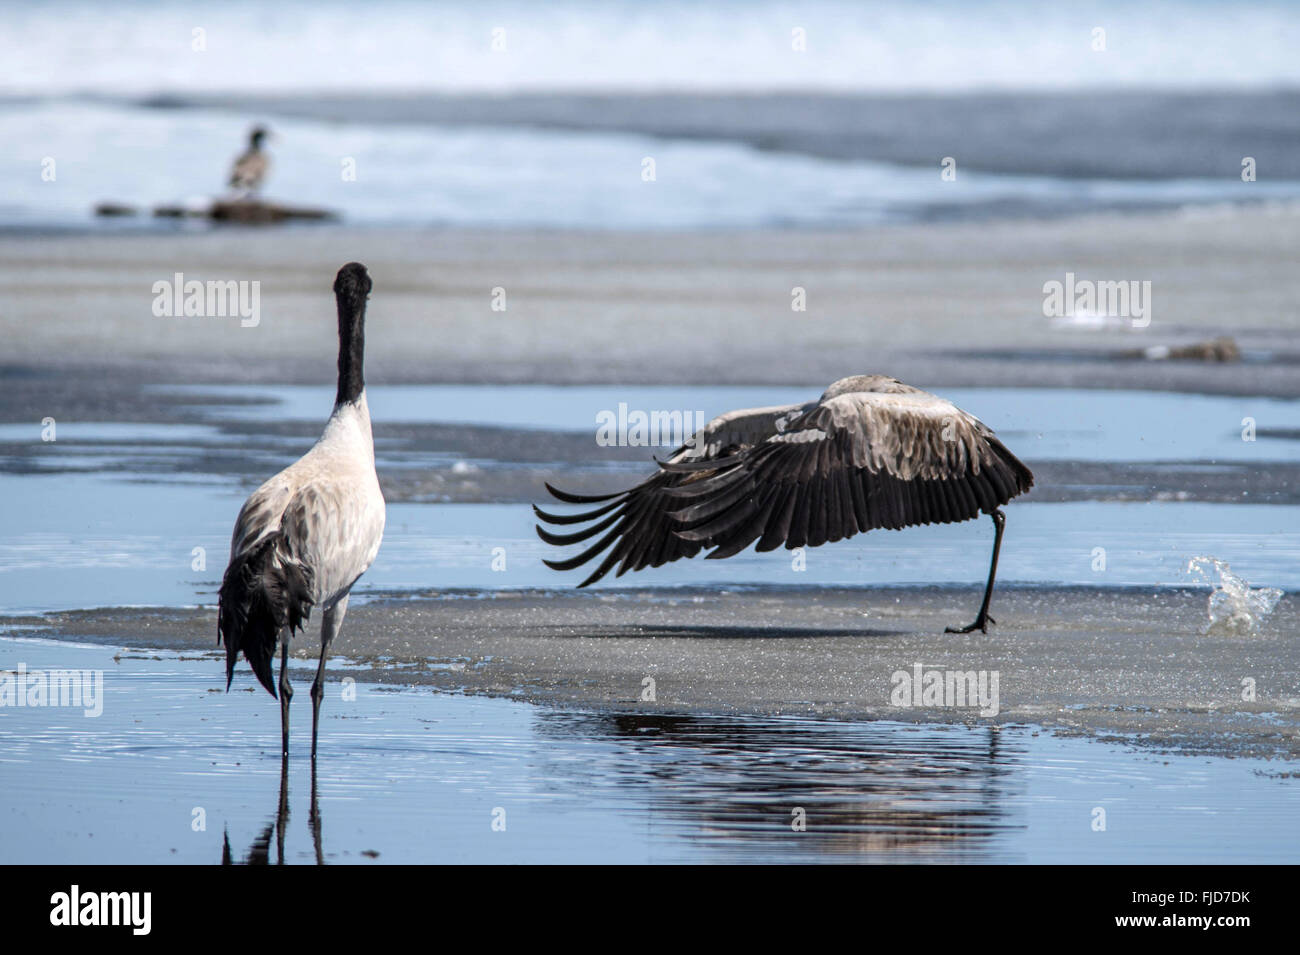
{"x": 250, "y": 168}
{"x": 307, "y": 535}
{"x": 870, "y": 453}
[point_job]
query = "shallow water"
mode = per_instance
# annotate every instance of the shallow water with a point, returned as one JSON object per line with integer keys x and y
{"x": 91, "y": 541}
{"x": 1050, "y": 424}
{"x": 133, "y": 514}
{"x": 409, "y": 775}
{"x": 112, "y": 514}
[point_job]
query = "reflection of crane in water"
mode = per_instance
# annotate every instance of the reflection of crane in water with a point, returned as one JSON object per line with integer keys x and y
{"x": 896, "y": 790}
{"x": 259, "y": 853}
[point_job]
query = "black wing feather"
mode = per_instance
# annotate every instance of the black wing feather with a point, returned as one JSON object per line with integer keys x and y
{"x": 792, "y": 492}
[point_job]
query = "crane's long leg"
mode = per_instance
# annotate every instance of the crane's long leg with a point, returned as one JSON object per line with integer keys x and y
{"x": 286, "y": 693}
{"x": 983, "y": 620}
{"x": 331, "y": 623}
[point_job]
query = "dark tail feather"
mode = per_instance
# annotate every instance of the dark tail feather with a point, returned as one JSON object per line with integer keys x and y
{"x": 576, "y": 518}
{"x": 568, "y": 498}
{"x": 265, "y": 589}
{"x": 1023, "y": 477}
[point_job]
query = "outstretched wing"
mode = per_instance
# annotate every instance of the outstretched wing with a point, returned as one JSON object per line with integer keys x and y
{"x": 636, "y": 527}
{"x": 856, "y": 462}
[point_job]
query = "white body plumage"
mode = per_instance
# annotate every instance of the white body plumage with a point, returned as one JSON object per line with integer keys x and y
{"x": 328, "y": 504}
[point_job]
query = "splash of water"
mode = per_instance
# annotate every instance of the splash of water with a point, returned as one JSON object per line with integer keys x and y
{"x": 1234, "y": 607}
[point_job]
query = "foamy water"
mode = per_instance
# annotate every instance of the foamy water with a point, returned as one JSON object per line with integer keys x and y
{"x": 148, "y": 46}
{"x": 513, "y": 176}
{"x": 1234, "y": 606}
{"x": 146, "y": 103}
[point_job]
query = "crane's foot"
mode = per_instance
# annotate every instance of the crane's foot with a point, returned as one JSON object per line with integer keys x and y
{"x": 981, "y": 624}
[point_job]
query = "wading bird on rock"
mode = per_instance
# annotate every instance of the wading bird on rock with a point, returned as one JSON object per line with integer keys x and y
{"x": 250, "y": 168}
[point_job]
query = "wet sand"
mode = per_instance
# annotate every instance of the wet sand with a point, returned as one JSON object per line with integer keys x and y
{"x": 1131, "y": 665}
{"x": 942, "y": 305}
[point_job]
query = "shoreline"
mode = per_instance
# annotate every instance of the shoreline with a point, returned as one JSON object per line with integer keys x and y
{"x": 1154, "y": 679}
{"x": 1037, "y": 131}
